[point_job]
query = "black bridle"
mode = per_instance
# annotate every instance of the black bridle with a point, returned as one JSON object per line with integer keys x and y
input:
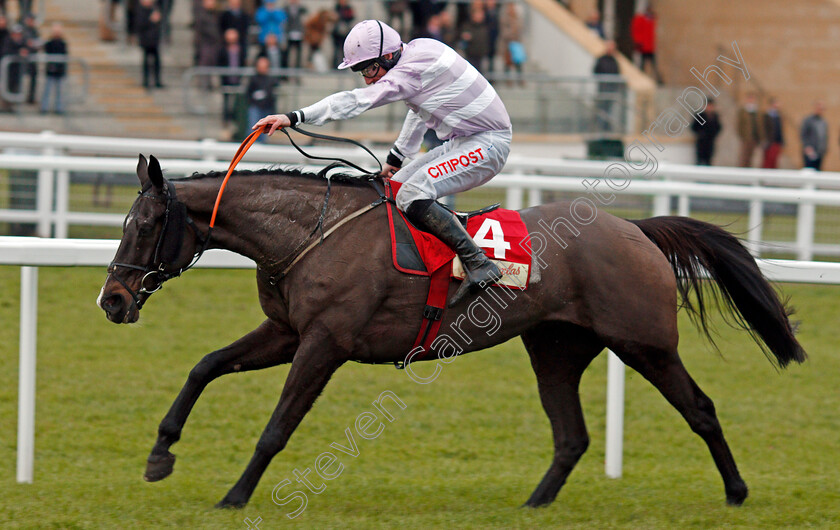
{"x": 176, "y": 220}
{"x": 167, "y": 248}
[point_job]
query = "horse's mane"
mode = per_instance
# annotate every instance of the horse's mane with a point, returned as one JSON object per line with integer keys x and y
{"x": 280, "y": 172}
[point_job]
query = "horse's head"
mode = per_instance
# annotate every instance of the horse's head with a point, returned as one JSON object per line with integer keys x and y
{"x": 159, "y": 242}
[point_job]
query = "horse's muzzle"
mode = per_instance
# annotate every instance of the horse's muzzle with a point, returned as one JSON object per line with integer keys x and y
{"x": 118, "y": 306}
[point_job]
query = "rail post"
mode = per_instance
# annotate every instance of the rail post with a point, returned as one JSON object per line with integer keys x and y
{"x": 756, "y": 218}
{"x": 615, "y": 416}
{"x": 806, "y": 215}
{"x": 45, "y": 193}
{"x": 513, "y": 196}
{"x": 26, "y": 378}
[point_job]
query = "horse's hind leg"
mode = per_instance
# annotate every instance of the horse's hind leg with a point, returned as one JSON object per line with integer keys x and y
{"x": 268, "y": 345}
{"x": 559, "y": 355}
{"x": 667, "y": 373}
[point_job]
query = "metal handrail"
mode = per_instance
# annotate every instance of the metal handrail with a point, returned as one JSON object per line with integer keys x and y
{"x": 217, "y": 72}
{"x": 41, "y": 58}
{"x": 596, "y": 109}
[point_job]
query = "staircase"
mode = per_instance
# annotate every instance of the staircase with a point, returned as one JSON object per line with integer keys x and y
{"x": 115, "y": 84}
{"x": 116, "y": 103}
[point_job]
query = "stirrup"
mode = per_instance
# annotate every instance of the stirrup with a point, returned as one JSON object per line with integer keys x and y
{"x": 469, "y": 286}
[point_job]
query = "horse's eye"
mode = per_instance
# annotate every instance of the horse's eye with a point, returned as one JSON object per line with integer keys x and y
{"x": 145, "y": 230}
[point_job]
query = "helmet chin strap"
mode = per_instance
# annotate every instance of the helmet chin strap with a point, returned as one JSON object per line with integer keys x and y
{"x": 383, "y": 63}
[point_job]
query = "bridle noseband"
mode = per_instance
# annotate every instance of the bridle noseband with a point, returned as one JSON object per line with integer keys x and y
{"x": 167, "y": 248}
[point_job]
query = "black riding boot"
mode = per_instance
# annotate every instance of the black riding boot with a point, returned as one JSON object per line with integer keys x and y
{"x": 437, "y": 220}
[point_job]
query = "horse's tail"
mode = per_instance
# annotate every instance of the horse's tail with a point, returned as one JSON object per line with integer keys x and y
{"x": 698, "y": 250}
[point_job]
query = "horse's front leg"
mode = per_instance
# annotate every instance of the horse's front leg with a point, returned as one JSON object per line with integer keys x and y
{"x": 268, "y": 345}
{"x": 317, "y": 358}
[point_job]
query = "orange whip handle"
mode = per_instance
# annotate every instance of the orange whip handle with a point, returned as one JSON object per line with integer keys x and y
{"x": 240, "y": 153}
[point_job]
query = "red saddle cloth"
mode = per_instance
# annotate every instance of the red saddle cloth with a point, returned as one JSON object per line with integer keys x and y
{"x": 500, "y": 233}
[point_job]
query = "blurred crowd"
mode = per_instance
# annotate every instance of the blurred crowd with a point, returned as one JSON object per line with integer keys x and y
{"x": 264, "y": 36}
{"x": 761, "y": 133}
{"x": 20, "y": 41}
{"x": 270, "y": 34}
{"x": 292, "y": 37}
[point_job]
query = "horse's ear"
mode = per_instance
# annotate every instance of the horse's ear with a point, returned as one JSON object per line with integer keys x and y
{"x": 155, "y": 173}
{"x": 143, "y": 171}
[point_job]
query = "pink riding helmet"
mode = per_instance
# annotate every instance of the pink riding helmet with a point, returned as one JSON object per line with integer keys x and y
{"x": 368, "y": 40}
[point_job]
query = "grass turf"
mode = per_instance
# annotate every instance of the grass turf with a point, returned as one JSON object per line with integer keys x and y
{"x": 466, "y": 451}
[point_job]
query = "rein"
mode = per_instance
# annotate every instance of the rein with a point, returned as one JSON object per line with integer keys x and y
{"x": 297, "y": 254}
{"x": 168, "y": 246}
{"x": 333, "y": 139}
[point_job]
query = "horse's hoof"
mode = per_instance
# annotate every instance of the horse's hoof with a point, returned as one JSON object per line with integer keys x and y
{"x": 158, "y": 467}
{"x": 535, "y": 503}
{"x": 227, "y": 504}
{"x": 736, "y": 496}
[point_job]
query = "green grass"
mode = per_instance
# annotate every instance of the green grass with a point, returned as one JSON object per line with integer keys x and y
{"x": 466, "y": 452}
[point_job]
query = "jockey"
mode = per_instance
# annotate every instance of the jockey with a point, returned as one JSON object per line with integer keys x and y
{"x": 443, "y": 92}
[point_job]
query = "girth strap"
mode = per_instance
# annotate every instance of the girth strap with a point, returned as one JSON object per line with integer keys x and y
{"x": 432, "y": 313}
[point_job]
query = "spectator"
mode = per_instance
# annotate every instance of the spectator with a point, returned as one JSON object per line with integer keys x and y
{"x": 207, "y": 35}
{"x": 396, "y": 10}
{"x": 343, "y": 25}
{"x": 814, "y": 136}
{"x": 270, "y": 19}
{"x": 56, "y": 70}
{"x": 476, "y": 38}
{"x": 314, "y": 33}
{"x": 491, "y": 16}
{"x": 271, "y": 49}
{"x": 131, "y": 7}
{"x": 774, "y": 138}
{"x": 165, "y": 8}
{"x": 510, "y": 32}
{"x": 4, "y": 36}
{"x": 706, "y": 128}
{"x": 260, "y": 93}
{"x": 463, "y": 10}
{"x": 439, "y": 28}
{"x": 15, "y": 46}
{"x": 107, "y": 20}
{"x": 294, "y": 32}
{"x": 750, "y": 131}
{"x": 148, "y": 20}
{"x": 33, "y": 42}
{"x": 609, "y": 90}
{"x": 232, "y": 55}
{"x": 593, "y": 22}
{"x": 24, "y": 7}
{"x": 4, "y": 30}
{"x": 423, "y": 10}
{"x": 235, "y": 18}
{"x": 643, "y": 32}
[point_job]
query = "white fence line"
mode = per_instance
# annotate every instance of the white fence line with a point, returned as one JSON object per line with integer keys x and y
{"x": 58, "y": 155}
{"x": 30, "y": 253}
{"x": 212, "y": 150}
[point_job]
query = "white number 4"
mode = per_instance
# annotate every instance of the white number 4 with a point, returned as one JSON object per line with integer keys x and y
{"x": 496, "y": 242}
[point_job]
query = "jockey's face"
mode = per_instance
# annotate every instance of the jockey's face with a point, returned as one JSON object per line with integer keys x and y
{"x": 380, "y": 72}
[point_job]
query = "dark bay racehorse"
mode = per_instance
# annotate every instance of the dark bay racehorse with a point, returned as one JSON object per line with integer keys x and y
{"x": 612, "y": 286}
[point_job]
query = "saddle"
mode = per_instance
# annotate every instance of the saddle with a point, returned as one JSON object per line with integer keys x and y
{"x": 406, "y": 255}
{"x": 500, "y": 233}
